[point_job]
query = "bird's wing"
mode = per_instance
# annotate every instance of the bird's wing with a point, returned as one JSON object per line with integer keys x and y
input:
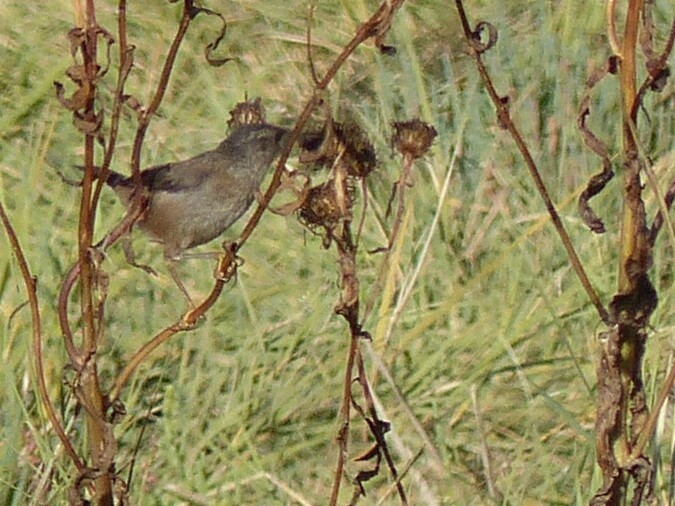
{"x": 180, "y": 176}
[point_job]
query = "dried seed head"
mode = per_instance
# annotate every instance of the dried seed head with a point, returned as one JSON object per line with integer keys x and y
{"x": 325, "y": 206}
{"x": 359, "y": 157}
{"x": 321, "y": 207}
{"x": 250, "y": 112}
{"x": 347, "y": 145}
{"x": 413, "y": 138}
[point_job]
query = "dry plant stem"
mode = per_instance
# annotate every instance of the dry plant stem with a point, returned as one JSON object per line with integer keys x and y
{"x": 148, "y": 113}
{"x": 624, "y": 422}
{"x": 30, "y": 281}
{"x": 505, "y": 120}
{"x": 343, "y": 433}
{"x": 101, "y": 440}
{"x": 624, "y": 426}
{"x": 404, "y": 472}
{"x": 632, "y": 239}
{"x": 75, "y": 355}
{"x": 377, "y": 432}
{"x": 348, "y": 308}
{"x": 399, "y": 188}
{"x": 226, "y": 269}
{"x": 188, "y": 320}
{"x": 403, "y": 403}
{"x": 90, "y": 390}
{"x": 126, "y": 59}
{"x": 140, "y": 200}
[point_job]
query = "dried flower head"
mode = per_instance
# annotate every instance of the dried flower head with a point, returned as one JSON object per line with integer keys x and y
{"x": 413, "y": 138}
{"x": 347, "y": 145}
{"x": 250, "y": 112}
{"x": 325, "y": 206}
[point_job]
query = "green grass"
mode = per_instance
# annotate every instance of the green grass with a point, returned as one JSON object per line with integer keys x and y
{"x": 244, "y": 409}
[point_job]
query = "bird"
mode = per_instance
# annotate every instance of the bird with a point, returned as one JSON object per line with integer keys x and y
{"x": 193, "y": 201}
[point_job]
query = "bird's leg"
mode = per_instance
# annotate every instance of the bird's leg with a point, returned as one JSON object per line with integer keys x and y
{"x": 201, "y": 254}
{"x": 171, "y": 265}
{"x": 130, "y": 256}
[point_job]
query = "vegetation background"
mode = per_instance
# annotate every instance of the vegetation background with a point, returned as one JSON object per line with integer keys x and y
{"x": 487, "y": 340}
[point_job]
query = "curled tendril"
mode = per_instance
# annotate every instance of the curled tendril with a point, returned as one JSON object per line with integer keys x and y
{"x": 597, "y": 182}
{"x": 477, "y": 36}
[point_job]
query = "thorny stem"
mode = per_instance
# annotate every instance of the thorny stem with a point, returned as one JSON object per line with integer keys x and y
{"x": 505, "y": 120}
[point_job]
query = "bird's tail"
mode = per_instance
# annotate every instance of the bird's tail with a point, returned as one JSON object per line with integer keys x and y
{"x": 113, "y": 179}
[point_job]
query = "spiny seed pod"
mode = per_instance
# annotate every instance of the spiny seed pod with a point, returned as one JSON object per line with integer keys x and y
{"x": 413, "y": 138}
{"x": 348, "y": 145}
{"x": 250, "y": 112}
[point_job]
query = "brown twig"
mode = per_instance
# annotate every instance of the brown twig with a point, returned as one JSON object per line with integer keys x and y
{"x": 75, "y": 355}
{"x": 376, "y": 426}
{"x": 83, "y": 359}
{"x": 89, "y": 380}
{"x": 126, "y": 61}
{"x": 226, "y": 270}
{"x": 343, "y": 432}
{"x": 660, "y": 217}
{"x": 476, "y": 49}
{"x": 30, "y": 282}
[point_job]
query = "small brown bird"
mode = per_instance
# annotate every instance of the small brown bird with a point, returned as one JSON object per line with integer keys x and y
{"x": 196, "y": 200}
